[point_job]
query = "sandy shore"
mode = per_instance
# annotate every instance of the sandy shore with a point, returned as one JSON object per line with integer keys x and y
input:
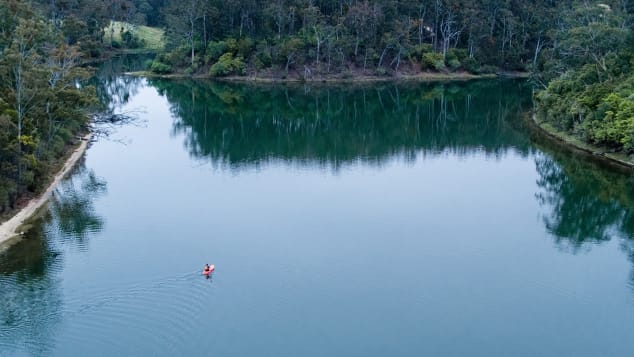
{"x": 11, "y": 228}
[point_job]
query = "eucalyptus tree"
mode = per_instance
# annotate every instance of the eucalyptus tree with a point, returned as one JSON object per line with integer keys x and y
{"x": 182, "y": 18}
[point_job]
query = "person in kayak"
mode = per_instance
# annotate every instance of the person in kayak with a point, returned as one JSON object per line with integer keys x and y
{"x": 206, "y": 269}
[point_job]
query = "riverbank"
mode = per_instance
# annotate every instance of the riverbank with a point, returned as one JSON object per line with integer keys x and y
{"x": 12, "y": 228}
{"x": 340, "y": 78}
{"x": 570, "y": 140}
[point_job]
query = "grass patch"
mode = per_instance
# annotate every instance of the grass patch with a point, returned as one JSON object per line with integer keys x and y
{"x": 152, "y": 37}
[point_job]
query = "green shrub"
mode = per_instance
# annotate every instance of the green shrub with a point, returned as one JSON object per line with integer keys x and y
{"x": 130, "y": 40}
{"x": 456, "y": 53}
{"x": 471, "y": 65}
{"x": 381, "y": 71}
{"x": 418, "y": 50}
{"x": 226, "y": 65}
{"x": 245, "y": 47}
{"x": 160, "y": 67}
{"x": 178, "y": 57}
{"x": 433, "y": 60}
{"x": 215, "y": 49}
{"x": 454, "y": 64}
{"x": 232, "y": 45}
{"x": 265, "y": 59}
{"x": 615, "y": 124}
{"x": 488, "y": 69}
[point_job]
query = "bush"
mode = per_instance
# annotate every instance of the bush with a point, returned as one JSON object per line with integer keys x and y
{"x": 433, "y": 60}
{"x": 265, "y": 59}
{"x": 178, "y": 57}
{"x": 215, "y": 49}
{"x": 488, "y": 69}
{"x": 615, "y": 123}
{"x": 454, "y": 64}
{"x": 381, "y": 71}
{"x": 459, "y": 54}
{"x": 160, "y": 67}
{"x": 471, "y": 65}
{"x": 245, "y": 47}
{"x": 130, "y": 40}
{"x": 232, "y": 45}
{"x": 226, "y": 65}
{"x": 419, "y": 50}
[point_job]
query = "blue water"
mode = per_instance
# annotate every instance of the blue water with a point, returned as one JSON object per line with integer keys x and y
{"x": 453, "y": 243}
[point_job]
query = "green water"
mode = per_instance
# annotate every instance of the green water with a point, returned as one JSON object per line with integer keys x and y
{"x": 384, "y": 219}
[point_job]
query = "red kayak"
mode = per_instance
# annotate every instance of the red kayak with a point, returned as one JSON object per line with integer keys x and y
{"x": 211, "y": 268}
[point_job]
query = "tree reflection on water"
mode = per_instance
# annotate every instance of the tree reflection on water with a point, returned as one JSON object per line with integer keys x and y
{"x": 243, "y": 126}
{"x": 588, "y": 203}
{"x": 31, "y": 301}
{"x": 239, "y": 126}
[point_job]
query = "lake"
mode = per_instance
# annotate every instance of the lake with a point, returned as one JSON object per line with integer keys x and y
{"x": 383, "y": 219}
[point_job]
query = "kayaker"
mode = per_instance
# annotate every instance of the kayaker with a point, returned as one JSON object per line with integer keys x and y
{"x": 206, "y": 268}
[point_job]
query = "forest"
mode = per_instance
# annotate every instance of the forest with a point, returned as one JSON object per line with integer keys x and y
{"x": 579, "y": 54}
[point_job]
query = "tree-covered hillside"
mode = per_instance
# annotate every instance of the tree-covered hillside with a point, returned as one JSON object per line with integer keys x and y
{"x": 588, "y": 75}
{"x": 43, "y": 99}
{"x": 320, "y": 37}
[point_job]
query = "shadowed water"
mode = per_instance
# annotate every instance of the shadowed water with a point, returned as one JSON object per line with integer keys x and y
{"x": 406, "y": 220}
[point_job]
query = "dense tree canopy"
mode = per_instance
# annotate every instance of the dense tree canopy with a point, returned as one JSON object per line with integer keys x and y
{"x": 43, "y": 101}
{"x": 315, "y": 37}
{"x": 588, "y": 74}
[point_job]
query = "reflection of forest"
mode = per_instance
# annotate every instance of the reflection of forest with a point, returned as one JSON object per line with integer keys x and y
{"x": 30, "y": 297}
{"x": 241, "y": 125}
{"x": 114, "y": 89}
{"x": 588, "y": 203}
{"x": 244, "y": 125}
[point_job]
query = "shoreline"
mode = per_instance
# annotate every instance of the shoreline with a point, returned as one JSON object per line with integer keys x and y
{"x": 571, "y": 141}
{"x": 418, "y": 77}
{"x": 10, "y": 229}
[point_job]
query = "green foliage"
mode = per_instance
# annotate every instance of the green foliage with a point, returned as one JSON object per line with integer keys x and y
{"x": 454, "y": 64}
{"x": 458, "y": 54}
{"x": 160, "y": 68}
{"x": 332, "y": 37}
{"x": 471, "y": 65}
{"x": 488, "y": 69}
{"x": 593, "y": 97}
{"x": 417, "y": 51}
{"x": 130, "y": 40}
{"x": 227, "y": 64}
{"x": 246, "y": 46}
{"x": 617, "y": 124}
{"x": 381, "y": 71}
{"x": 215, "y": 49}
{"x": 433, "y": 60}
{"x": 44, "y": 97}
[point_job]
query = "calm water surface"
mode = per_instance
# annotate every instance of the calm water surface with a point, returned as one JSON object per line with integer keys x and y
{"x": 383, "y": 220}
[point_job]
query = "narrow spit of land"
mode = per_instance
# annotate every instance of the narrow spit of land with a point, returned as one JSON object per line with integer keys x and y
{"x": 607, "y": 154}
{"x": 11, "y": 228}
